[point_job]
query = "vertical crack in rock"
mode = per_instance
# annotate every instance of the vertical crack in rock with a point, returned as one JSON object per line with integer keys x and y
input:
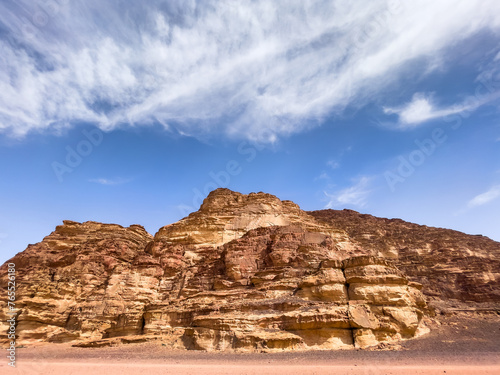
{"x": 67, "y": 322}
{"x": 351, "y": 328}
{"x": 182, "y": 282}
{"x": 142, "y": 324}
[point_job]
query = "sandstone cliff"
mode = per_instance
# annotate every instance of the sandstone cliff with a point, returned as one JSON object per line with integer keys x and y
{"x": 245, "y": 272}
{"x": 452, "y": 266}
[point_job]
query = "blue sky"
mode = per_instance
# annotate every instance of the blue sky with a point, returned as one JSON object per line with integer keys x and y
{"x": 127, "y": 112}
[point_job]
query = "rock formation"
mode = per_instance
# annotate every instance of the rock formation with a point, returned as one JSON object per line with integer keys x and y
{"x": 452, "y": 266}
{"x": 245, "y": 272}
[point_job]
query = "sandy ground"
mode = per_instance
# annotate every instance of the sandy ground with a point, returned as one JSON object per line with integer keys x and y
{"x": 461, "y": 345}
{"x": 71, "y": 368}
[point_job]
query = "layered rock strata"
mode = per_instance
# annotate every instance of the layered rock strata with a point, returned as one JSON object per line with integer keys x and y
{"x": 453, "y": 267}
{"x": 245, "y": 272}
{"x": 274, "y": 288}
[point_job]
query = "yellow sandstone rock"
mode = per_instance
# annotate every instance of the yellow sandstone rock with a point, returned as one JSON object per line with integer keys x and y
{"x": 244, "y": 273}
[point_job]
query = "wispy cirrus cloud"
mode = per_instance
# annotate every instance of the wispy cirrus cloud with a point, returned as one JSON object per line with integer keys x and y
{"x": 355, "y": 195}
{"x": 110, "y": 181}
{"x": 422, "y": 109}
{"x": 333, "y": 164}
{"x": 322, "y": 176}
{"x": 484, "y": 198}
{"x": 256, "y": 70}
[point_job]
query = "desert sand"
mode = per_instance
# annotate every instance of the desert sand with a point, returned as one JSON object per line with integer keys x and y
{"x": 248, "y": 369}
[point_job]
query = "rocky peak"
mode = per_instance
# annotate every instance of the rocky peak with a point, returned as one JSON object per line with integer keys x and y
{"x": 226, "y": 215}
{"x": 72, "y": 233}
{"x": 225, "y": 200}
{"x": 220, "y": 198}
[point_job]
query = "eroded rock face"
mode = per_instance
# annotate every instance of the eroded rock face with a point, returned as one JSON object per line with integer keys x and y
{"x": 226, "y": 215}
{"x": 79, "y": 279}
{"x": 451, "y": 265}
{"x": 309, "y": 308}
{"x": 219, "y": 279}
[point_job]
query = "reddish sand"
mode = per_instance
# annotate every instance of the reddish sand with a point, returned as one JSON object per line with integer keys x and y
{"x": 117, "y": 368}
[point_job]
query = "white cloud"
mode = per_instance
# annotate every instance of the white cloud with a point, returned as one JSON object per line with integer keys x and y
{"x": 323, "y": 176}
{"x": 422, "y": 109}
{"x": 355, "y": 195}
{"x": 254, "y": 70}
{"x": 108, "y": 181}
{"x": 484, "y": 198}
{"x": 333, "y": 164}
